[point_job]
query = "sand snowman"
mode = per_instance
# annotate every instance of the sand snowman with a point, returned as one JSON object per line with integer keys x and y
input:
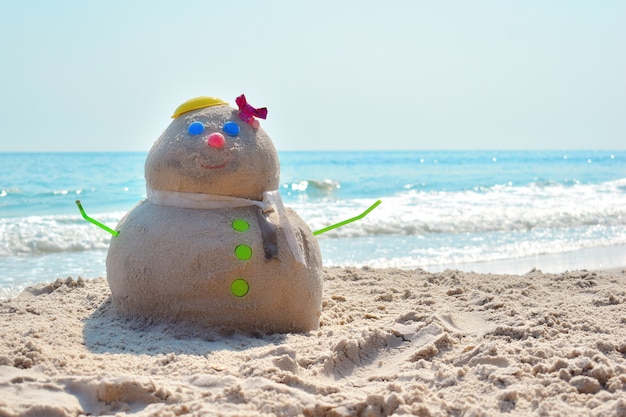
{"x": 212, "y": 244}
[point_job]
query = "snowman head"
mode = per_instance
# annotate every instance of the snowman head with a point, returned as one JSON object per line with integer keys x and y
{"x": 212, "y": 148}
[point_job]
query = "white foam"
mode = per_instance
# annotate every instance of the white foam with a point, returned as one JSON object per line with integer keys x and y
{"x": 50, "y": 234}
{"x": 499, "y": 208}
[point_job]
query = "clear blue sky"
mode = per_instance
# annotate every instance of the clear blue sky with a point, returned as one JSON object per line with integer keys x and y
{"x": 500, "y": 74}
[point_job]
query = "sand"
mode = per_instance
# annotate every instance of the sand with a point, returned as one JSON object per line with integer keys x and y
{"x": 391, "y": 342}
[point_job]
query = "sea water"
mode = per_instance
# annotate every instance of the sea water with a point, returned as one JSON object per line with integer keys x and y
{"x": 468, "y": 209}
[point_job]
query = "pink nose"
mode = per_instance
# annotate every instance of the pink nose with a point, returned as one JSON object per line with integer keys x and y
{"x": 216, "y": 140}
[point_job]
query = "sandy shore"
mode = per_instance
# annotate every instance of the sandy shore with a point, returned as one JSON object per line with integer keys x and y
{"x": 392, "y": 342}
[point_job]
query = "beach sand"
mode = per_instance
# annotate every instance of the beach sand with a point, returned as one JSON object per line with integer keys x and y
{"x": 391, "y": 342}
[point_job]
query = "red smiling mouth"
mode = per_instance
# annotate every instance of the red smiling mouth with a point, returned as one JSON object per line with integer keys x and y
{"x": 214, "y": 166}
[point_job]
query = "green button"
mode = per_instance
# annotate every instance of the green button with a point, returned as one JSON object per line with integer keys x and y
{"x": 240, "y": 225}
{"x": 243, "y": 252}
{"x": 239, "y": 287}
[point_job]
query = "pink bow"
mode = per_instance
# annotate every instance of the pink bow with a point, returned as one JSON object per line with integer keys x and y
{"x": 247, "y": 112}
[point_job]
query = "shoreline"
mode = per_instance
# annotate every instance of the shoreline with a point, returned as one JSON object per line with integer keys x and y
{"x": 597, "y": 258}
{"x": 390, "y": 341}
{"x": 591, "y": 259}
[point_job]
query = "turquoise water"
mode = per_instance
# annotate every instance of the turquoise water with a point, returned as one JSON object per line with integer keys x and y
{"x": 439, "y": 207}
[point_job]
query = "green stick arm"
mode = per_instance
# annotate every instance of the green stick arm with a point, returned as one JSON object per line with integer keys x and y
{"x": 353, "y": 219}
{"x": 94, "y": 221}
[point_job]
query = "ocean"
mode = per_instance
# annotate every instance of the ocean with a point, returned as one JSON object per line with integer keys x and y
{"x": 488, "y": 211}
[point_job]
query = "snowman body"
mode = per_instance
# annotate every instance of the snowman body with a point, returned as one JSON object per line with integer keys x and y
{"x": 224, "y": 266}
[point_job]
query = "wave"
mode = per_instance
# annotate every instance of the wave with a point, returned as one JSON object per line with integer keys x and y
{"x": 494, "y": 209}
{"x": 53, "y": 234}
{"x": 10, "y": 190}
{"x": 578, "y": 209}
{"x": 313, "y": 188}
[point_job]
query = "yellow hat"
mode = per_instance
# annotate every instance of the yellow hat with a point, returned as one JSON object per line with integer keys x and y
{"x": 198, "y": 103}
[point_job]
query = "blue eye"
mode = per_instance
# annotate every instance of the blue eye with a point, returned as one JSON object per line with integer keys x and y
{"x": 195, "y": 128}
{"x": 231, "y": 128}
